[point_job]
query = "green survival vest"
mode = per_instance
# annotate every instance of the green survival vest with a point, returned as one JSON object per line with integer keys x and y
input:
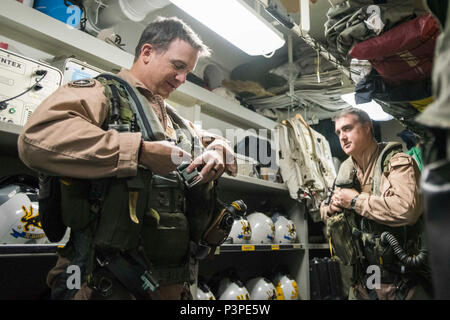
{"x": 155, "y": 215}
{"x": 356, "y": 240}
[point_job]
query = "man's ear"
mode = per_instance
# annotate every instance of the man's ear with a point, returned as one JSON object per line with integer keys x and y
{"x": 368, "y": 128}
{"x": 146, "y": 52}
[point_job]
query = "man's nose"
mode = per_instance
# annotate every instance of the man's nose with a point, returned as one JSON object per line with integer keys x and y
{"x": 181, "y": 77}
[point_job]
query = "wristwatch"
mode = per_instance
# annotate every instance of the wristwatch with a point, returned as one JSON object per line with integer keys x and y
{"x": 353, "y": 203}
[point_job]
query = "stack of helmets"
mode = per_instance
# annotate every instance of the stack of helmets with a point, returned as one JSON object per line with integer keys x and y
{"x": 19, "y": 211}
{"x": 241, "y": 231}
{"x": 286, "y": 287}
{"x": 261, "y": 288}
{"x": 263, "y": 229}
{"x": 285, "y": 231}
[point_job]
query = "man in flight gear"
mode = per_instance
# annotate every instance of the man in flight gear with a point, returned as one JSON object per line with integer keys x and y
{"x": 374, "y": 216}
{"x": 113, "y": 146}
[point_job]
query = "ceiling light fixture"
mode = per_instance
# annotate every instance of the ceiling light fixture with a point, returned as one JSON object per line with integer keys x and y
{"x": 372, "y": 108}
{"x": 236, "y": 22}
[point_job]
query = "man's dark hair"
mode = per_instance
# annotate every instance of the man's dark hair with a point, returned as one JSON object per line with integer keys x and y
{"x": 361, "y": 116}
{"x": 163, "y": 31}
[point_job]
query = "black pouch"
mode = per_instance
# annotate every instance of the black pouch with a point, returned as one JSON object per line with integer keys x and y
{"x": 50, "y": 207}
{"x": 342, "y": 239}
{"x": 76, "y": 208}
{"x": 119, "y": 225}
{"x": 165, "y": 231}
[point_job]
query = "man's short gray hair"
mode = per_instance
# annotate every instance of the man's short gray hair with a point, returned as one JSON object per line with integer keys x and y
{"x": 361, "y": 116}
{"x": 161, "y": 32}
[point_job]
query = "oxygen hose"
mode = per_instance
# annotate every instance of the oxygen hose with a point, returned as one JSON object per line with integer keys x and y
{"x": 413, "y": 261}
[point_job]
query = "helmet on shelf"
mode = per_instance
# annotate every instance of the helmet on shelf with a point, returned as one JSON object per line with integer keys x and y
{"x": 261, "y": 288}
{"x": 285, "y": 231}
{"x": 19, "y": 212}
{"x": 263, "y": 229}
{"x": 204, "y": 292}
{"x": 286, "y": 287}
{"x": 232, "y": 290}
{"x": 241, "y": 232}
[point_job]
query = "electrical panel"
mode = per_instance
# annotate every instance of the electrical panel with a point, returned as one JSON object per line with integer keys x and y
{"x": 24, "y": 84}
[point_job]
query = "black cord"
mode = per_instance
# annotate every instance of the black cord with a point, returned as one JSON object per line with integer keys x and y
{"x": 38, "y": 72}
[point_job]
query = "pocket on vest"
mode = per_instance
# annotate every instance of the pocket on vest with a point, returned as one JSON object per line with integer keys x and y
{"x": 165, "y": 237}
{"x": 76, "y": 209}
{"x": 342, "y": 239}
{"x": 119, "y": 226}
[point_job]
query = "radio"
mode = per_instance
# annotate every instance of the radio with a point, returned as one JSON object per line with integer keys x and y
{"x": 24, "y": 84}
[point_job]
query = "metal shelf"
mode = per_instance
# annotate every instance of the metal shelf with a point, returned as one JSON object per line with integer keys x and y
{"x": 323, "y": 246}
{"x": 258, "y": 247}
{"x": 251, "y": 185}
{"x": 28, "y": 249}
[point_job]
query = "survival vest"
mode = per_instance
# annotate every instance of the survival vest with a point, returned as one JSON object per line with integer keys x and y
{"x": 149, "y": 215}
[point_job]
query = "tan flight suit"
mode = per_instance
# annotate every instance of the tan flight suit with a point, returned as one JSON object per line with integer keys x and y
{"x": 398, "y": 205}
{"x": 64, "y": 137}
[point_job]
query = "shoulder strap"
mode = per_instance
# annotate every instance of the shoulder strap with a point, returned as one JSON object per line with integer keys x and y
{"x": 149, "y": 128}
{"x": 382, "y": 164}
{"x": 346, "y": 174}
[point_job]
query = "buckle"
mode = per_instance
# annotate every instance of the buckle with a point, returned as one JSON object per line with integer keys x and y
{"x": 189, "y": 178}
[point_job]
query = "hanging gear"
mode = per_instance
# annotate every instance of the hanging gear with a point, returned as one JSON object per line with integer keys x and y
{"x": 306, "y": 164}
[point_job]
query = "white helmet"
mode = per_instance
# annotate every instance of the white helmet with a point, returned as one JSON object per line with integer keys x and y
{"x": 285, "y": 231}
{"x": 241, "y": 231}
{"x": 19, "y": 215}
{"x": 232, "y": 290}
{"x": 203, "y": 292}
{"x": 286, "y": 287}
{"x": 263, "y": 229}
{"x": 261, "y": 288}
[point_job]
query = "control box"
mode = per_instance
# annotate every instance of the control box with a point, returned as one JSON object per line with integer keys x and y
{"x": 24, "y": 84}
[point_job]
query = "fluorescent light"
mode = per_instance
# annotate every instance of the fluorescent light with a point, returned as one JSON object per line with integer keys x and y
{"x": 304, "y": 15}
{"x": 372, "y": 108}
{"x": 235, "y": 21}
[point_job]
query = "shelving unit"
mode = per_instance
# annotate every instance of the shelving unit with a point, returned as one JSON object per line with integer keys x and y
{"x": 56, "y": 38}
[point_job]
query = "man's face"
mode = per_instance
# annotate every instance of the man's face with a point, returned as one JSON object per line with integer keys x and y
{"x": 353, "y": 135}
{"x": 167, "y": 70}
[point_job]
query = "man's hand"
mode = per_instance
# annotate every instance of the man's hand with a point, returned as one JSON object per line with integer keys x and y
{"x": 211, "y": 163}
{"x": 329, "y": 210}
{"x": 162, "y": 157}
{"x": 342, "y": 197}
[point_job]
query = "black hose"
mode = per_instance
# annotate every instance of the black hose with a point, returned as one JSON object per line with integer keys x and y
{"x": 413, "y": 261}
